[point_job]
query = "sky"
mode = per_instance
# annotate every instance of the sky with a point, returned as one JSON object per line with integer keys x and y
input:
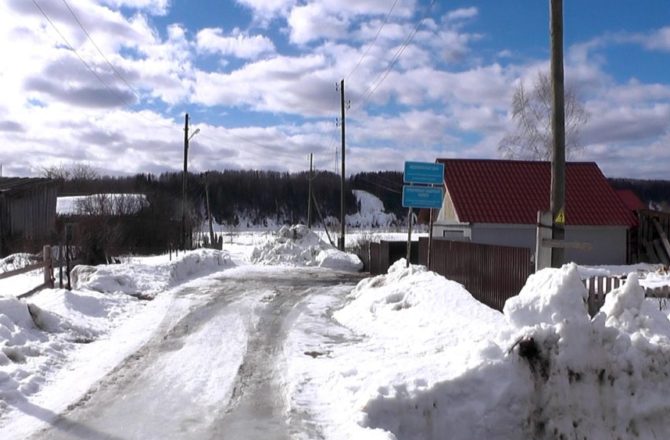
{"x": 106, "y": 83}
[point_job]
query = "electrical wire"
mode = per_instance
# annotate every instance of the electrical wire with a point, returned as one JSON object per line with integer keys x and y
{"x": 116, "y": 72}
{"x": 373, "y": 41}
{"x": 67, "y": 43}
{"x": 380, "y": 78}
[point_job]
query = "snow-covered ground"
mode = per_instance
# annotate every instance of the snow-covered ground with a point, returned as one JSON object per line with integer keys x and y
{"x": 404, "y": 355}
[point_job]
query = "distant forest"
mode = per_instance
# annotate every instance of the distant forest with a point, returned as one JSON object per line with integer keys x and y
{"x": 250, "y": 195}
{"x": 253, "y": 196}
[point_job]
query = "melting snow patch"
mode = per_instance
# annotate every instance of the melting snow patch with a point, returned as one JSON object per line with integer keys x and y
{"x": 299, "y": 246}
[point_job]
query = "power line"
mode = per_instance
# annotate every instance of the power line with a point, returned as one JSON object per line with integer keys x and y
{"x": 67, "y": 43}
{"x": 373, "y": 41}
{"x": 116, "y": 72}
{"x": 396, "y": 57}
{"x": 378, "y": 185}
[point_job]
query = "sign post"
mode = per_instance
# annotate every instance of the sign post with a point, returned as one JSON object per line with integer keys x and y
{"x": 419, "y": 192}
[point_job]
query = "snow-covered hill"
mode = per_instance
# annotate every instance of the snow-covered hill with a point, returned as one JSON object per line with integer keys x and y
{"x": 371, "y": 213}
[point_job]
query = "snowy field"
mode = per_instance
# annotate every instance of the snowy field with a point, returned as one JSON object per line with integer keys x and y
{"x": 404, "y": 355}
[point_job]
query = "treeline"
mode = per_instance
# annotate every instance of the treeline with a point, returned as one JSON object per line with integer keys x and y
{"x": 237, "y": 196}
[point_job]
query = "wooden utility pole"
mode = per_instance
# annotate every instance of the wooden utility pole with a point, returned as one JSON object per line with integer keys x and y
{"x": 558, "y": 129}
{"x": 342, "y": 198}
{"x": 183, "y": 185}
{"x": 209, "y": 212}
{"x": 309, "y": 190}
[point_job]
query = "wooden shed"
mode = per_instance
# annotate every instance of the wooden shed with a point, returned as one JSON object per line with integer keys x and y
{"x": 27, "y": 213}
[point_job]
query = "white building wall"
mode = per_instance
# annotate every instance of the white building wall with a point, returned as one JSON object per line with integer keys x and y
{"x": 608, "y": 242}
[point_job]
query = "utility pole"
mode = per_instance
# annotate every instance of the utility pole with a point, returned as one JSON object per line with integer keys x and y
{"x": 342, "y": 198}
{"x": 183, "y": 185}
{"x": 309, "y": 190}
{"x": 209, "y": 212}
{"x": 558, "y": 129}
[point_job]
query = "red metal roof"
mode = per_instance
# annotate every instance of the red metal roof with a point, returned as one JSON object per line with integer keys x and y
{"x": 511, "y": 192}
{"x": 630, "y": 199}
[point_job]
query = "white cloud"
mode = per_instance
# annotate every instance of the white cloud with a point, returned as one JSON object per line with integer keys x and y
{"x": 266, "y": 10}
{"x": 658, "y": 40}
{"x": 312, "y": 22}
{"x": 462, "y": 13}
{"x": 158, "y": 7}
{"x": 213, "y": 40}
{"x": 271, "y": 85}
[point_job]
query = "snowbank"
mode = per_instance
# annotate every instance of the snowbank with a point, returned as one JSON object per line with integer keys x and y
{"x": 556, "y": 373}
{"x": 15, "y": 261}
{"x": 38, "y": 335}
{"x": 299, "y": 246}
{"x": 424, "y": 360}
{"x": 145, "y": 279}
{"x": 400, "y": 334}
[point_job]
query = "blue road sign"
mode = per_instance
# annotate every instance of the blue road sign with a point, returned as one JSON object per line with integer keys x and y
{"x": 421, "y": 197}
{"x": 427, "y": 173}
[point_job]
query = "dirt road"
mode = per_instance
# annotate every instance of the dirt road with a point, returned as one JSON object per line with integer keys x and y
{"x": 214, "y": 374}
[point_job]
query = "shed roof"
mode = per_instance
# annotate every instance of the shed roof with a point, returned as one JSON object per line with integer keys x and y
{"x": 11, "y": 185}
{"x": 511, "y": 192}
{"x": 630, "y": 199}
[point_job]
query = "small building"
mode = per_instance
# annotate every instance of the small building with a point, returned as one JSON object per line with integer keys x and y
{"x": 27, "y": 213}
{"x": 496, "y": 202}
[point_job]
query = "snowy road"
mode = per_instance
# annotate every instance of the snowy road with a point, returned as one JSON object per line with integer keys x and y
{"x": 215, "y": 373}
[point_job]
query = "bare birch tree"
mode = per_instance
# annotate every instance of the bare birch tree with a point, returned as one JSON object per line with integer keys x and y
{"x": 531, "y": 110}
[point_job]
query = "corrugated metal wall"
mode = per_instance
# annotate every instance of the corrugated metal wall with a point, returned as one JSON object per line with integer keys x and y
{"x": 492, "y": 274}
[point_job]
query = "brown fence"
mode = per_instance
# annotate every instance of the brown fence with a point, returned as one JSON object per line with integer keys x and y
{"x": 492, "y": 274}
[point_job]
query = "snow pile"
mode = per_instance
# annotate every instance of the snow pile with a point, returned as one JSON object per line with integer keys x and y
{"x": 29, "y": 348}
{"x": 371, "y": 213}
{"x": 299, "y": 246}
{"x": 423, "y": 359}
{"x": 601, "y": 378}
{"x": 16, "y": 261}
{"x": 416, "y": 296}
{"x": 145, "y": 280}
{"x": 401, "y": 336}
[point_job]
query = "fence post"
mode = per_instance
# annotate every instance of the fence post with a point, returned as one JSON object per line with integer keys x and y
{"x": 48, "y": 267}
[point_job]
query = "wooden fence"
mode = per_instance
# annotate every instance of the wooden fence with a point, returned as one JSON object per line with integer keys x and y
{"x": 47, "y": 263}
{"x": 492, "y": 274}
{"x": 599, "y": 287}
{"x": 47, "y": 267}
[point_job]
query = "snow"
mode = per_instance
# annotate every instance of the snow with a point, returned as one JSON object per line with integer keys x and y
{"x": 39, "y": 337}
{"x": 422, "y": 358}
{"x": 399, "y": 335}
{"x": 299, "y": 246}
{"x": 111, "y": 203}
{"x": 371, "y": 213}
{"x": 404, "y": 355}
{"x": 148, "y": 278}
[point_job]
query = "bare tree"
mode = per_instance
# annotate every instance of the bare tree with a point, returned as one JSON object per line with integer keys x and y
{"x": 71, "y": 172}
{"x": 531, "y": 110}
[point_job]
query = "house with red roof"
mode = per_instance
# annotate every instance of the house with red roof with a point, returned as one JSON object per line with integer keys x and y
{"x": 497, "y": 201}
